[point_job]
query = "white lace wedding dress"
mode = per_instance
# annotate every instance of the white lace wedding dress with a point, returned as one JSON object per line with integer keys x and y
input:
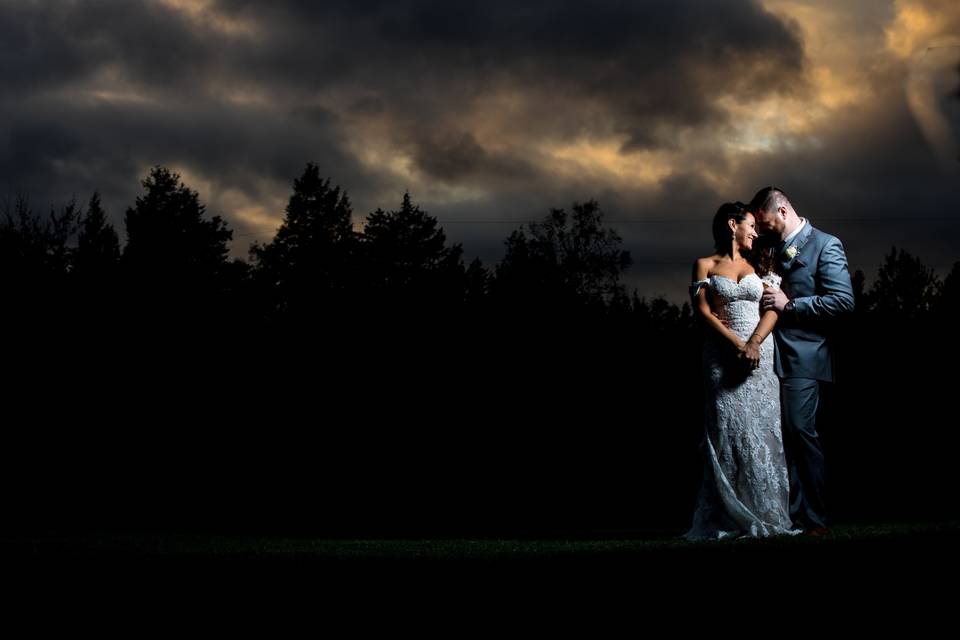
{"x": 746, "y": 487}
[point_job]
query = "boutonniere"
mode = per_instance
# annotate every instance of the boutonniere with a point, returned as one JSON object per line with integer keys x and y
{"x": 792, "y": 252}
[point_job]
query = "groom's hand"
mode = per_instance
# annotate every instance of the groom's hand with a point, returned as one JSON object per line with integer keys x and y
{"x": 774, "y": 299}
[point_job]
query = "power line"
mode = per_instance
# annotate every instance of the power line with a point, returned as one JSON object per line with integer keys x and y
{"x": 707, "y": 221}
{"x": 950, "y": 219}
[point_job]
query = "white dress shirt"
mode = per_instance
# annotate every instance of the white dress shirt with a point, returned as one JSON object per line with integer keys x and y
{"x": 789, "y": 239}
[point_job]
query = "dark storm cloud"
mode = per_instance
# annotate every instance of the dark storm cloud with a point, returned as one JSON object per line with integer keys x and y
{"x": 95, "y": 92}
{"x": 645, "y": 68}
{"x": 242, "y": 94}
{"x": 56, "y": 149}
{"x": 877, "y": 178}
{"x": 451, "y": 157}
{"x": 642, "y": 69}
{"x": 872, "y": 181}
{"x": 55, "y": 44}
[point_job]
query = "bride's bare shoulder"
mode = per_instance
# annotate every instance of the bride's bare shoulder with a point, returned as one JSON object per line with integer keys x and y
{"x": 703, "y": 266}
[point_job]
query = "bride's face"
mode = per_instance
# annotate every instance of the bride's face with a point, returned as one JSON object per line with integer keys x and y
{"x": 745, "y": 232}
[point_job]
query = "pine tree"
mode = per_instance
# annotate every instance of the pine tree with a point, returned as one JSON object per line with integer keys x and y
{"x": 175, "y": 258}
{"x": 478, "y": 284}
{"x": 566, "y": 261}
{"x": 408, "y": 264}
{"x": 905, "y": 289}
{"x": 306, "y": 269}
{"x": 98, "y": 247}
{"x": 35, "y": 256}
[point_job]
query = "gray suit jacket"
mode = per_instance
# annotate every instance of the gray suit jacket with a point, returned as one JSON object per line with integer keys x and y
{"x": 817, "y": 280}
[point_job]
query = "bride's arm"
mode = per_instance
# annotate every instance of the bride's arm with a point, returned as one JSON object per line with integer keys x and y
{"x": 767, "y": 321}
{"x": 702, "y": 305}
{"x": 764, "y": 327}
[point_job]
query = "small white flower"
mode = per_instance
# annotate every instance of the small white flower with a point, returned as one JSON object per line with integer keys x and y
{"x": 792, "y": 251}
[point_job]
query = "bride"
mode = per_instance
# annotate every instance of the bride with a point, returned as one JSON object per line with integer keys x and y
{"x": 746, "y": 488}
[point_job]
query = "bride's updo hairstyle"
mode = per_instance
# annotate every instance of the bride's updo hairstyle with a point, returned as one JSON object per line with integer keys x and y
{"x": 761, "y": 257}
{"x": 736, "y": 211}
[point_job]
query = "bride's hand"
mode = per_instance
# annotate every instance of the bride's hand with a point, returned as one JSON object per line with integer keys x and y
{"x": 750, "y": 351}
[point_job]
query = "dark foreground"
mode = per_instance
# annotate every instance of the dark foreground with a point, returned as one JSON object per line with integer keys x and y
{"x": 856, "y": 577}
{"x": 922, "y": 539}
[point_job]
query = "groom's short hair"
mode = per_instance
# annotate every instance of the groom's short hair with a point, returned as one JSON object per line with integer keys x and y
{"x": 768, "y": 198}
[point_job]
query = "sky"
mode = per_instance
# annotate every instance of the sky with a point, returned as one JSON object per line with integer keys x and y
{"x": 491, "y": 113}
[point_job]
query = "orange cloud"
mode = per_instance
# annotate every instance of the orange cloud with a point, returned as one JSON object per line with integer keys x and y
{"x": 921, "y": 24}
{"x": 202, "y": 12}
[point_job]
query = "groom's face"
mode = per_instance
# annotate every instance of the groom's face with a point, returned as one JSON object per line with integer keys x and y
{"x": 770, "y": 221}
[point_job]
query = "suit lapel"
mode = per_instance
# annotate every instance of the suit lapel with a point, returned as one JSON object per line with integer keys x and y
{"x": 802, "y": 238}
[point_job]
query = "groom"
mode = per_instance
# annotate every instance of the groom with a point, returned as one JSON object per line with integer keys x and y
{"x": 814, "y": 291}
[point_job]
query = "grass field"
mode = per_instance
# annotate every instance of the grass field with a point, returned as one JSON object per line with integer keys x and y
{"x": 919, "y": 537}
{"x": 864, "y": 575}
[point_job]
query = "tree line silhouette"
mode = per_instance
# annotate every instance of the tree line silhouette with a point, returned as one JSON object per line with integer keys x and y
{"x": 346, "y": 381}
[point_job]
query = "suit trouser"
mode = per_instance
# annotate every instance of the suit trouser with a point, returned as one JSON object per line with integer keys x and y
{"x": 799, "y": 402}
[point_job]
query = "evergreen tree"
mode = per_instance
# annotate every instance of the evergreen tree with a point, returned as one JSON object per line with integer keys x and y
{"x": 905, "y": 289}
{"x": 570, "y": 261}
{"x": 307, "y": 268}
{"x": 408, "y": 264}
{"x": 35, "y": 254}
{"x": 948, "y": 303}
{"x": 478, "y": 284}
{"x": 98, "y": 247}
{"x": 175, "y": 258}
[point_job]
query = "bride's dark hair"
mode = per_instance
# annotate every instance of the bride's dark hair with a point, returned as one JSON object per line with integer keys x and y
{"x": 761, "y": 257}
